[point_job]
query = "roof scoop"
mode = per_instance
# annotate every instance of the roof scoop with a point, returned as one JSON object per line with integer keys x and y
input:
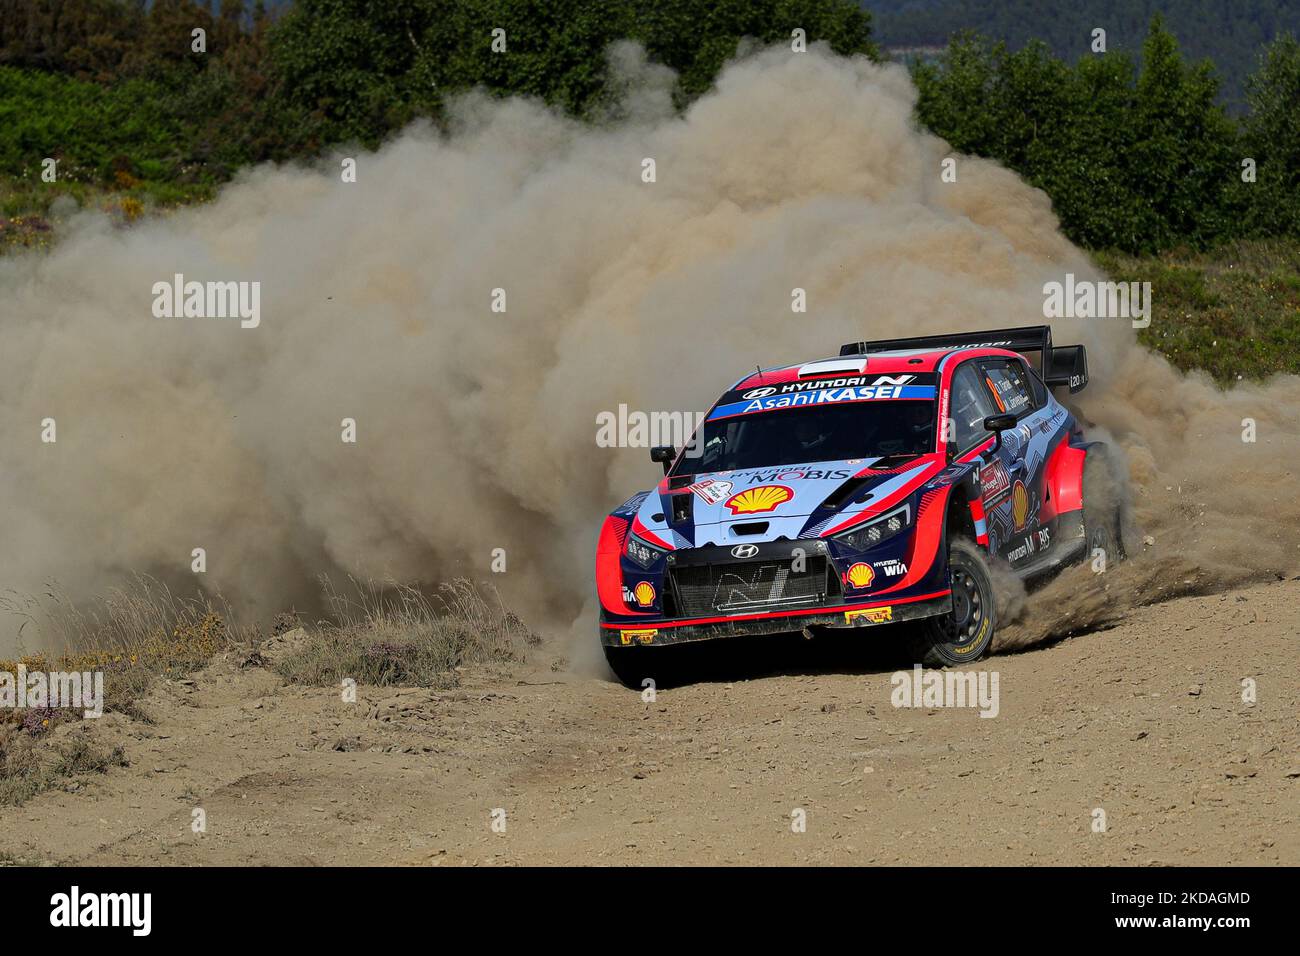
{"x": 840, "y": 366}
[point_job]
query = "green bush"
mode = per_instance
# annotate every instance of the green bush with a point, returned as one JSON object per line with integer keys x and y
{"x": 92, "y": 130}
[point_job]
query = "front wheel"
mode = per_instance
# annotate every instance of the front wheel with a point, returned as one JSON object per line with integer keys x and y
{"x": 639, "y": 667}
{"x": 965, "y": 633}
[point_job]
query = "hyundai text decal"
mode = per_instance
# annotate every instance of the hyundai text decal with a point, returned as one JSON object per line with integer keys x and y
{"x": 814, "y": 385}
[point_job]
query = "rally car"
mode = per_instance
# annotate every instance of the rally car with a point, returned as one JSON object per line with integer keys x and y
{"x": 869, "y": 489}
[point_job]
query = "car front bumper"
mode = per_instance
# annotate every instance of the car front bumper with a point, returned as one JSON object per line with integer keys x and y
{"x": 656, "y": 633}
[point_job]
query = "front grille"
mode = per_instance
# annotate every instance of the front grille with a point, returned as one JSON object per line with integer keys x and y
{"x": 734, "y": 588}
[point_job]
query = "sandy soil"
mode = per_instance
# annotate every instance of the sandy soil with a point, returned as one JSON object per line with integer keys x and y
{"x": 1144, "y": 721}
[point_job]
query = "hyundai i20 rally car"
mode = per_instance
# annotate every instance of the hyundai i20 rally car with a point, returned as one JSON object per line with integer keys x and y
{"x": 865, "y": 490}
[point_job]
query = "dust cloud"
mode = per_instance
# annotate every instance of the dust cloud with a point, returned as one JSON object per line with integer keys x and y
{"x": 475, "y": 429}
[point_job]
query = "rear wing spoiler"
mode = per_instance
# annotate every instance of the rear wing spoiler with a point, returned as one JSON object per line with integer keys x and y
{"x": 1061, "y": 365}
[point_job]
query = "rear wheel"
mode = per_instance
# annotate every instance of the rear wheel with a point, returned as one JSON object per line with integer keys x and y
{"x": 1101, "y": 514}
{"x": 965, "y": 633}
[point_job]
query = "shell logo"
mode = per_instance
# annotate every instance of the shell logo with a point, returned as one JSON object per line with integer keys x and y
{"x": 754, "y": 501}
{"x": 644, "y": 594}
{"x": 860, "y": 575}
{"x": 1019, "y": 505}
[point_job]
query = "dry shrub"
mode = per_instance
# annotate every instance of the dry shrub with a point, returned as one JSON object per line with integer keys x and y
{"x": 387, "y": 633}
{"x": 29, "y": 764}
{"x": 133, "y": 634}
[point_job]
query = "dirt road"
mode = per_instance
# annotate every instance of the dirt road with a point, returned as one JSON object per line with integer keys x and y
{"x": 1144, "y": 721}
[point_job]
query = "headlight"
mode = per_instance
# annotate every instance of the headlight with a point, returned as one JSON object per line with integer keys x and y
{"x": 873, "y": 532}
{"x": 641, "y": 553}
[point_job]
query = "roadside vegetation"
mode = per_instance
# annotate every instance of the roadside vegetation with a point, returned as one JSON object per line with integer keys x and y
{"x": 30, "y": 764}
{"x": 1136, "y": 149}
{"x": 134, "y": 636}
{"x": 391, "y": 633}
{"x": 1233, "y": 311}
{"x": 1230, "y": 34}
{"x": 380, "y": 633}
{"x": 1143, "y": 164}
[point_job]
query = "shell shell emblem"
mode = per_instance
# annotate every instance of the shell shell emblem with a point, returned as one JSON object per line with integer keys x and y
{"x": 644, "y": 594}
{"x": 860, "y": 575}
{"x": 1019, "y": 505}
{"x": 753, "y": 501}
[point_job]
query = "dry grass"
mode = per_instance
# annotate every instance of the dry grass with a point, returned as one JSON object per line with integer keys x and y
{"x": 378, "y": 633}
{"x": 387, "y": 633}
{"x": 133, "y": 635}
{"x": 30, "y": 764}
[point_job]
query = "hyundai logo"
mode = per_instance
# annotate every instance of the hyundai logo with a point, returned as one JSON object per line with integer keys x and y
{"x": 744, "y": 551}
{"x": 759, "y": 392}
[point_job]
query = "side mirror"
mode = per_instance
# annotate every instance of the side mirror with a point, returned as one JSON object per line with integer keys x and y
{"x": 664, "y": 454}
{"x": 998, "y": 424}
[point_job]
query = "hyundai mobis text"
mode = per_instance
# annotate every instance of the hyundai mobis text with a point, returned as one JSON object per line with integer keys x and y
{"x": 865, "y": 490}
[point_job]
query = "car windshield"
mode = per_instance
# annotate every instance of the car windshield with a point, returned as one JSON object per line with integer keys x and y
{"x": 796, "y": 436}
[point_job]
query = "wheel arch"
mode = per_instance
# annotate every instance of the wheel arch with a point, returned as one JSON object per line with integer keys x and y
{"x": 1065, "y": 474}
{"x": 965, "y": 517}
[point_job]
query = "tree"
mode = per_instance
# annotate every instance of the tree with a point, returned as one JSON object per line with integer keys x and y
{"x": 1133, "y": 159}
{"x": 365, "y": 67}
{"x": 1272, "y": 138}
{"x": 1182, "y": 157}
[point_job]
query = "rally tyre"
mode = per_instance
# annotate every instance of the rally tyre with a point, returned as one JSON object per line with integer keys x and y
{"x": 634, "y": 665}
{"x": 1101, "y": 514}
{"x": 965, "y": 633}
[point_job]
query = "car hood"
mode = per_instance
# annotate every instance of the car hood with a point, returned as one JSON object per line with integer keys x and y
{"x": 765, "y": 504}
